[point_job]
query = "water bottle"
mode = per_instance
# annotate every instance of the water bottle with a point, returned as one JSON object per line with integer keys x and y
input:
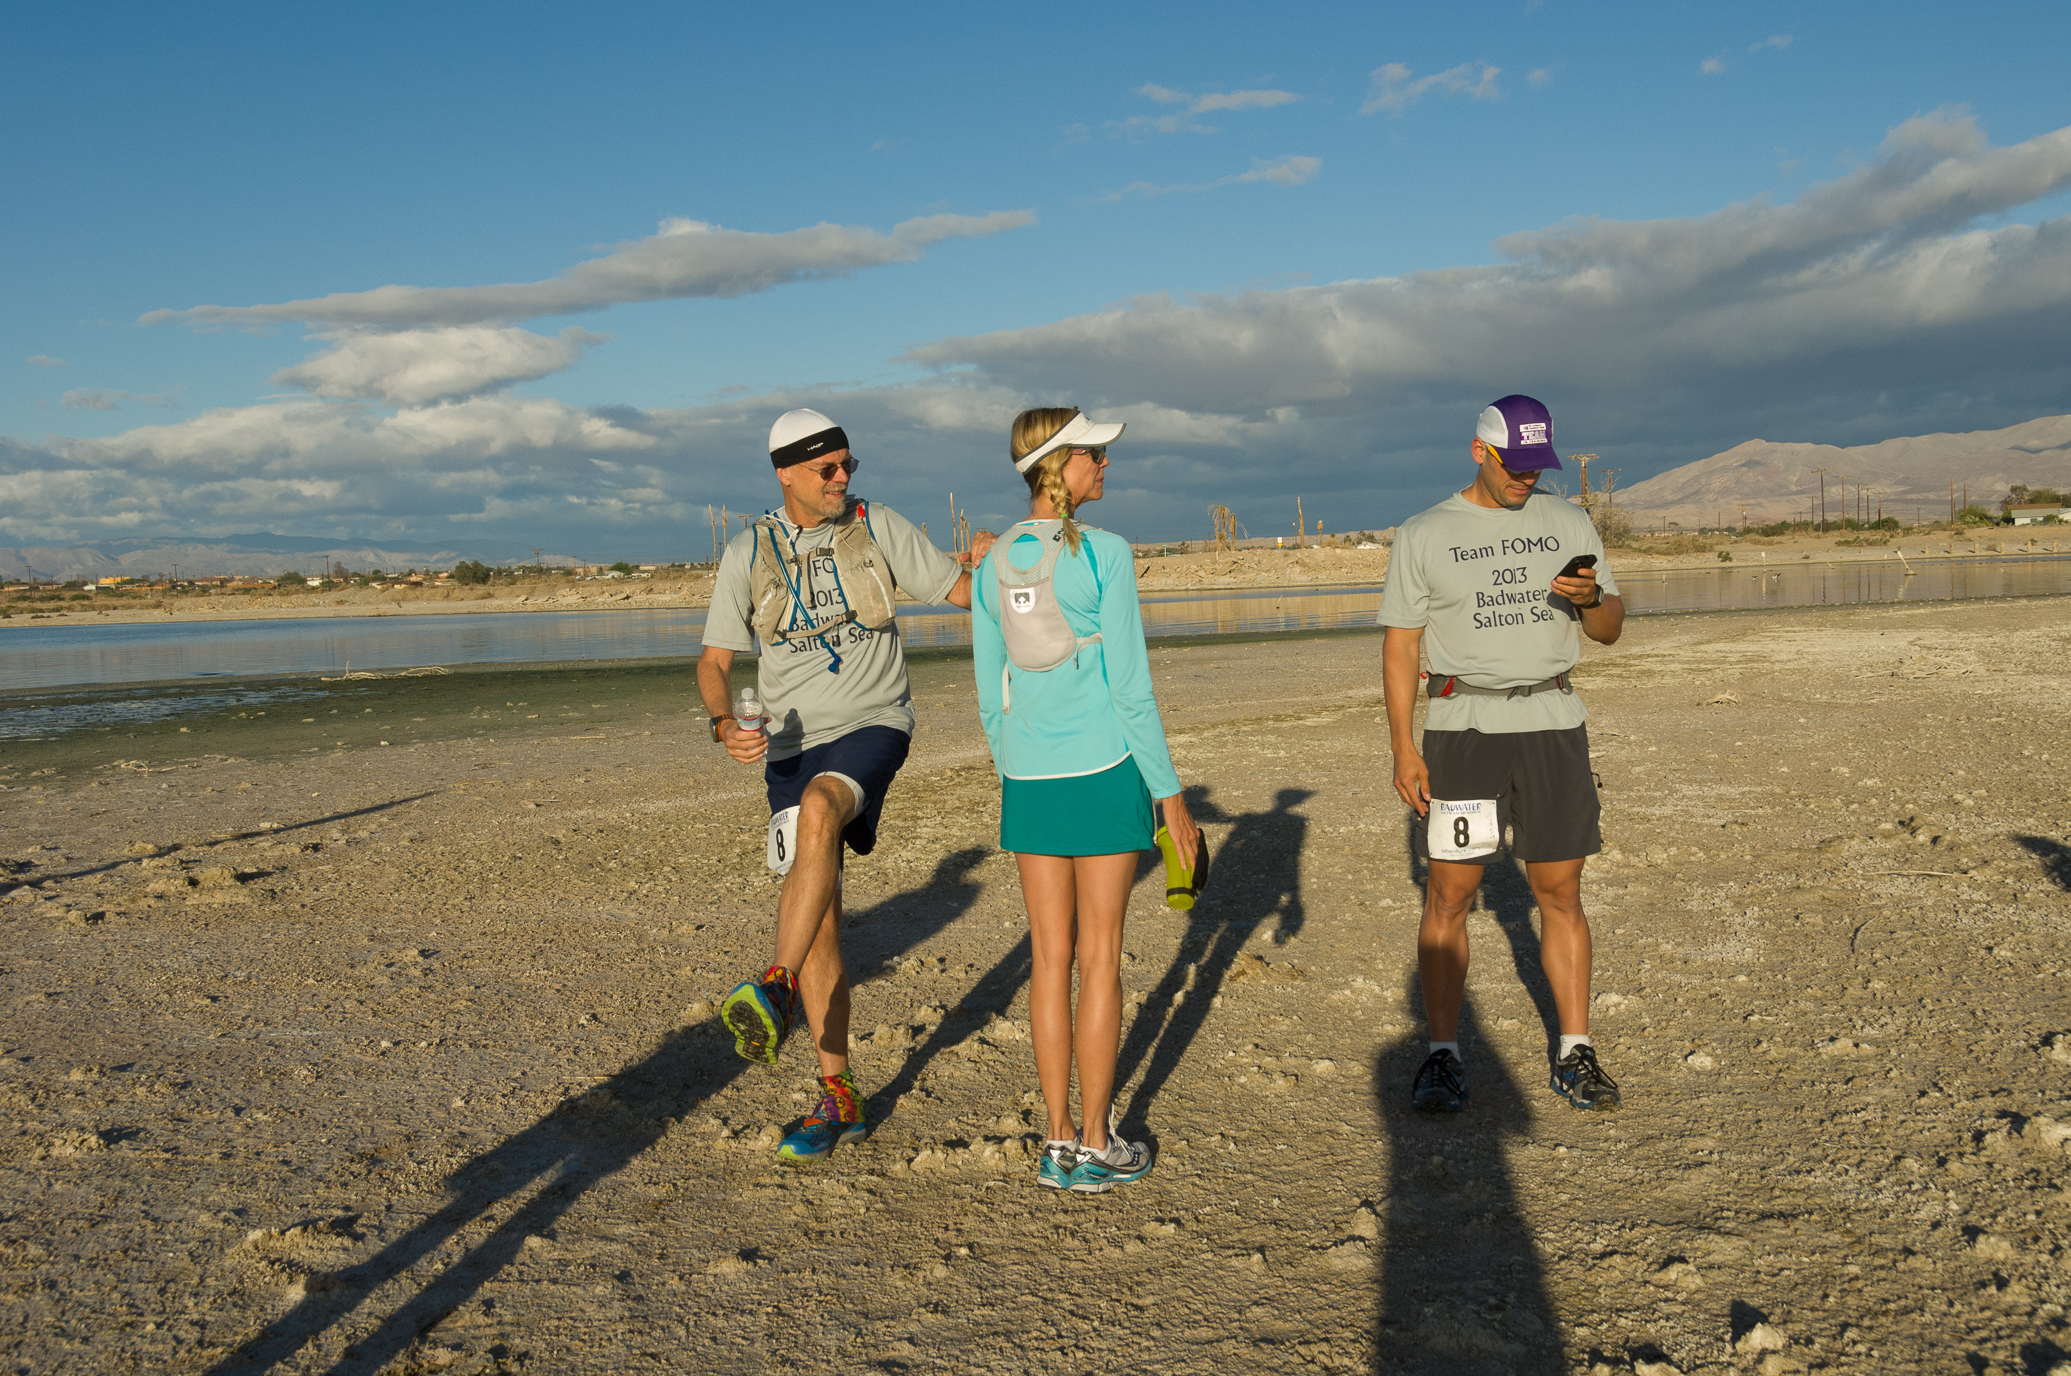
{"x": 747, "y": 711}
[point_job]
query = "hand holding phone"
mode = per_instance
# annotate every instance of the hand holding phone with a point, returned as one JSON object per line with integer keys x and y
{"x": 1571, "y": 569}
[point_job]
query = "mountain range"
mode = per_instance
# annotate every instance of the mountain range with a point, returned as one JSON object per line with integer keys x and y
{"x": 1909, "y": 477}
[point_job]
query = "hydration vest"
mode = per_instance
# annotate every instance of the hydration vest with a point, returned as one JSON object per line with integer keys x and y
{"x": 1038, "y": 637}
{"x": 862, "y": 581}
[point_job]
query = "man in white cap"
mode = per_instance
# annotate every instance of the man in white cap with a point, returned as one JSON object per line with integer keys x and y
{"x": 1491, "y": 584}
{"x": 811, "y": 586}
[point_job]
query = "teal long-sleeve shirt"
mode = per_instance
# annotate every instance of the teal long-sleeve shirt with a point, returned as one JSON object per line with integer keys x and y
{"x": 1092, "y": 711}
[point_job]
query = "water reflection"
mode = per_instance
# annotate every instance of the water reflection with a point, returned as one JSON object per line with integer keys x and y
{"x": 57, "y": 656}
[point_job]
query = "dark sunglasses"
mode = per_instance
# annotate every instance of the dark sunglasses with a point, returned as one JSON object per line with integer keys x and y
{"x": 1097, "y": 453}
{"x": 825, "y": 471}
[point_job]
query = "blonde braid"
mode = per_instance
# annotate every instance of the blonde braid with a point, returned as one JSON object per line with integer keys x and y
{"x": 1031, "y": 430}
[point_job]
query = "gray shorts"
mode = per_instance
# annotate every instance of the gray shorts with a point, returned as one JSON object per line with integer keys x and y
{"x": 1541, "y": 782}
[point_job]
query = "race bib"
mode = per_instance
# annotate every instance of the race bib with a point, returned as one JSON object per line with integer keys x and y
{"x": 783, "y": 840}
{"x": 1463, "y": 830}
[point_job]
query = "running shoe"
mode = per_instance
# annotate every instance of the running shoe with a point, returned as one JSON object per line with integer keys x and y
{"x": 1117, "y": 1163}
{"x": 1058, "y": 1160}
{"x": 837, "y": 1120}
{"x": 1440, "y": 1085}
{"x": 1582, "y": 1082}
{"x": 760, "y": 1014}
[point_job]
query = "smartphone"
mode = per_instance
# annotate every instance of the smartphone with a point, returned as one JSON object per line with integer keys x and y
{"x": 1576, "y": 565}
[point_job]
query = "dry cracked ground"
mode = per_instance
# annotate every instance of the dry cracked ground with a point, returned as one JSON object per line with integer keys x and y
{"x": 329, "y": 1055}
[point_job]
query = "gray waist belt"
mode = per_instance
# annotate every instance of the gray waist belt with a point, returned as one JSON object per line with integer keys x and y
{"x": 1452, "y": 686}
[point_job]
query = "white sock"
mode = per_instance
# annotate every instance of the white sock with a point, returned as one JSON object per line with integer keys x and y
{"x": 1569, "y": 1043}
{"x": 1453, "y": 1047}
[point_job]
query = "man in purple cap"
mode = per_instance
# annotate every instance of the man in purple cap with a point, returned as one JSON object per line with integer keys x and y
{"x": 1489, "y": 587}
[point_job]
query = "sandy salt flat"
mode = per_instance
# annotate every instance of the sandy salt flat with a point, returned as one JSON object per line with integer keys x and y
{"x": 424, "y": 1077}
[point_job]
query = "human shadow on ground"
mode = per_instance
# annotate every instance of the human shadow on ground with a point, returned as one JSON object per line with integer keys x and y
{"x": 1257, "y": 879}
{"x": 1462, "y": 1288}
{"x": 576, "y": 1146}
{"x": 2054, "y": 855}
{"x": 269, "y": 833}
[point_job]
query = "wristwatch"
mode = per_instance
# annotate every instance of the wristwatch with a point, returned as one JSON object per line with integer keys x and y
{"x": 1589, "y": 606}
{"x": 717, "y": 720}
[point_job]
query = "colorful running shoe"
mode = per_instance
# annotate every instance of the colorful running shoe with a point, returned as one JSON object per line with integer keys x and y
{"x": 760, "y": 1015}
{"x": 1582, "y": 1082}
{"x": 1440, "y": 1085}
{"x": 838, "y": 1119}
{"x": 1117, "y": 1163}
{"x": 1058, "y": 1160}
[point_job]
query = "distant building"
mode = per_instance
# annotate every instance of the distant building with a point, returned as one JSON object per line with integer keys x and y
{"x": 2033, "y": 514}
{"x": 120, "y": 580}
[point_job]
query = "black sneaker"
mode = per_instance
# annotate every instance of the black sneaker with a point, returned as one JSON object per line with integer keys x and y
{"x": 1582, "y": 1082}
{"x": 1441, "y": 1084}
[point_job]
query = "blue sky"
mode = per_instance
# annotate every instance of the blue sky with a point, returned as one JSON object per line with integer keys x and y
{"x": 1295, "y": 248}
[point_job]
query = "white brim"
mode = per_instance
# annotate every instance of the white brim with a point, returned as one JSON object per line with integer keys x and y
{"x": 1078, "y": 433}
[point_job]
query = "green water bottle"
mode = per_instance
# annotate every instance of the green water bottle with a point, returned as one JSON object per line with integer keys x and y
{"x": 1184, "y": 878}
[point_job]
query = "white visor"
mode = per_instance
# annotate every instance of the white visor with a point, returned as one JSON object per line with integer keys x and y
{"x": 1078, "y": 433}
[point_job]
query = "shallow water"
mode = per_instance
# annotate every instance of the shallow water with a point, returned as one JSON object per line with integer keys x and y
{"x": 45, "y": 657}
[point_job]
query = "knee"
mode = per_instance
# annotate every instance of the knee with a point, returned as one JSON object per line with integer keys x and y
{"x": 824, "y": 808}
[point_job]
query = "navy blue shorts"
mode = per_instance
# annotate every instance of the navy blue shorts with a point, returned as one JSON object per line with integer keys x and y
{"x": 869, "y": 758}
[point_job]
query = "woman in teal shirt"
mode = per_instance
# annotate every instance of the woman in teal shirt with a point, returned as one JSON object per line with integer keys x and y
{"x": 1064, "y": 692}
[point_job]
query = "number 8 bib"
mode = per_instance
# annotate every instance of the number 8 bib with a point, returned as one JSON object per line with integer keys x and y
{"x": 1463, "y": 830}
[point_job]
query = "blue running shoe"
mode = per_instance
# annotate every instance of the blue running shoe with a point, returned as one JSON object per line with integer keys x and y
{"x": 837, "y": 1120}
{"x": 1582, "y": 1082}
{"x": 1058, "y": 1160}
{"x": 760, "y": 1015}
{"x": 1117, "y": 1163}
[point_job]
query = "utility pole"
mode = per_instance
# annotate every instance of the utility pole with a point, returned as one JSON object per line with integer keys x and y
{"x": 537, "y": 565}
{"x": 1822, "y": 499}
{"x": 1301, "y": 525}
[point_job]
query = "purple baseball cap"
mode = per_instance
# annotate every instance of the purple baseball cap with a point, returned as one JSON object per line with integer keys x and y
{"x": 1520, "y": 430}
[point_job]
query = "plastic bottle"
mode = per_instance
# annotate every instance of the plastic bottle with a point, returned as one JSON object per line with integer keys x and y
{"x": 747, "y": 711}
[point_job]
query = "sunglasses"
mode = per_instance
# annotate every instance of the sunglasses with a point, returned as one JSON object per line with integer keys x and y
{"x": 1098, "y": 453}
{"x": 825, "y": 471}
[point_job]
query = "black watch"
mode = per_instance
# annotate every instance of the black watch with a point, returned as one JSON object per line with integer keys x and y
{"x": 715, "y": 725}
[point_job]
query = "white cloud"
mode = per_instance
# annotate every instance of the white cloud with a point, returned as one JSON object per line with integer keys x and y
{"x": 1774, "y": 40}
{"x": 414, "y": 367}
{"x": 1288, "y": 171}
{"x": 686, "y": 258}
{"x": 99, "y": 399}
{"x": 46, "y": 361}
{"x": 1893, "y": 300}
{"x": 1540, "y": 78}
{"x": 1392, "y": 89}
{"x": 1712, "y": 66}
{"x": 1183, "y": 121}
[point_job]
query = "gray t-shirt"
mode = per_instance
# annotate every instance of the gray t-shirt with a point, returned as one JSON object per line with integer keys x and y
{"x": 1477, "y": 580}
{"x": 807, "y": 704}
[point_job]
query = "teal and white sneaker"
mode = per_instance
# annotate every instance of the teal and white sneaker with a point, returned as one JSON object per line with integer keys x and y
{"x": 1058, "y": 1160}
{"x": 1117, "y": 1163}
{"x": 760, "y": 1014}
{"x": 838, "y": 1120}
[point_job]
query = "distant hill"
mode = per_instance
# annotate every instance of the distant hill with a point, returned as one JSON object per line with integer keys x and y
{"x": 262, "y": 555}
{"x": 1910, "y": 476}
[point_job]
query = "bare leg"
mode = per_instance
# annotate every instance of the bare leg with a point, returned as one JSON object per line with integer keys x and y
{"x": 823, "y": 986}
{"x": 1442, "y": 944}
{"x": 1049, "y": 887}
{"x": 1075, "y": 911}
{"x": 1564, "y": 947}
{"x": 809, "y": 890}
{"x": 1103, "y": 885}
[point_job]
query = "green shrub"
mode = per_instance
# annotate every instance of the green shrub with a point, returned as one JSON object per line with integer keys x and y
{"x": 470, "y": 571}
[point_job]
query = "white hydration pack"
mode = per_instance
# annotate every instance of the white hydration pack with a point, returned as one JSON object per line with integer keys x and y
{"x": 1038, "y": 637}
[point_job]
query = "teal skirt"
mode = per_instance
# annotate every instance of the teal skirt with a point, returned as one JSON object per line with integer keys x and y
{"x": 1108, "y": 813}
